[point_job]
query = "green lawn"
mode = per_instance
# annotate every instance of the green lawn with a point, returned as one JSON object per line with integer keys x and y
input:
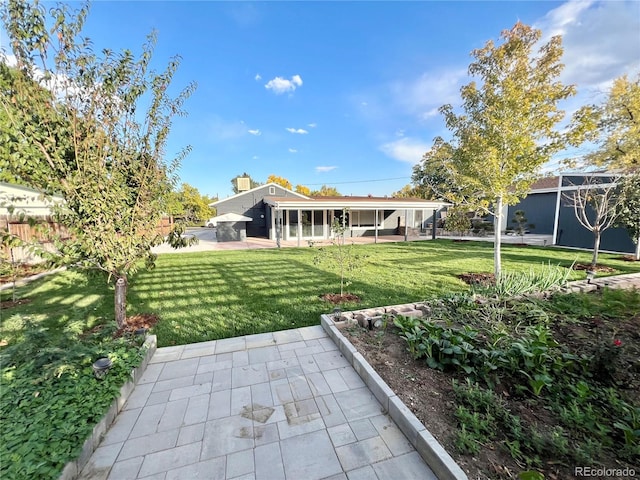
{"x": 204, "y": 296}
{"x": 218, "y": 294}
{"x": 210, "y": 295}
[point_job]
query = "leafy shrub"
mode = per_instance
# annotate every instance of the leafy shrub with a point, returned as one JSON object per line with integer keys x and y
{"x": 51, "y": 401}
{"x": 514, "y": 343}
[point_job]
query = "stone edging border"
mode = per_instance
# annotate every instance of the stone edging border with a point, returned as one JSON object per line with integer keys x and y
{"x": 74, "y": 467}
{"x": 427, "y": 446}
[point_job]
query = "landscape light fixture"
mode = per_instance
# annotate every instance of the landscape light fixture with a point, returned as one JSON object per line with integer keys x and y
{"x": 101, "y": 366}
{"x": 336, "y": 313}
{"x": 590, "y": 275}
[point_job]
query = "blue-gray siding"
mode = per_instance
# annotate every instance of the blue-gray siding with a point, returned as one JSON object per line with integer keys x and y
{"x": 251, "y": 204}
{"x": 539, "y": 210}
{"x": 572, "y": 234}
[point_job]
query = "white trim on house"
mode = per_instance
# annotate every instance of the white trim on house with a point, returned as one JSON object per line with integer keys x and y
{"x": 21, "y": 200}
{"x": 331, "y": 203}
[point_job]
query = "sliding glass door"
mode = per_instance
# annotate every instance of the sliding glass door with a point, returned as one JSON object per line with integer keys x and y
{"x": 311, "y": 222}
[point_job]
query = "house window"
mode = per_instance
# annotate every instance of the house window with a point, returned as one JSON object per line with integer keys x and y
{"x": 311, "y": 222}
{"x": 293, "y": 222}
{"x": 318, "y": 223}
{"x": 272, "y": 190}
{"x": 364, "y": 218}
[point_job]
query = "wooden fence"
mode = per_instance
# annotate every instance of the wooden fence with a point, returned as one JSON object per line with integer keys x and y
{"x": 43, "y": 232}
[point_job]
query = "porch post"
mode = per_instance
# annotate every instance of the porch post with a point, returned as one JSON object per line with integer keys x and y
{"x": 375, "y": 223}
{"x": 278, "y": 226}
{"x": 433, "y": 225}
{"x": 299, "y": 225}
{"x": 556, "y": 217}
{"x": 406, "y": 224}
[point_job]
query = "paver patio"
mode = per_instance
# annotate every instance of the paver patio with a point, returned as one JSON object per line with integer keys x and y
{"x": 276, "y": 406}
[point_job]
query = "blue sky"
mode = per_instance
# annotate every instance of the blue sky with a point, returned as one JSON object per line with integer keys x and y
{"x": 343, "y": 93}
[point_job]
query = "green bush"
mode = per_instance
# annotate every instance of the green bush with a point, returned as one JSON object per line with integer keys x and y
{"x": 512, "y": 342}
{"x": 51, "y": 401}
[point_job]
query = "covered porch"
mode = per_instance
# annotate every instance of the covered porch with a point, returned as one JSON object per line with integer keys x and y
{"x": 301, "y": 220}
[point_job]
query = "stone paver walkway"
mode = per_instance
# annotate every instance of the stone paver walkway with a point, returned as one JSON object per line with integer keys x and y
{"x": 276, "y": 406}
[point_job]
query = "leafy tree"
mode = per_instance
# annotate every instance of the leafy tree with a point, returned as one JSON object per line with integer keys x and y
{"x": 521, "y": 222}
{"x": 93, "y": 128}
{"x": 326, "y": 191}
{"x": 20, "y": 160}
{"x": 614, "y": 127}
{"x": 408, "y": 191}
{"x": 430, "y": 176}
{"x": 506, "y": 131}
{"x": 596, "y": 207}
{"x": 629, "y": 208}
{"x": 457, "y": 220}
{"x": 195, "y": 206}
{"x": 252, "y": 182}
{"x": 280, "y": 181}
{"x": 174, "y": 205}
{"x": 303, "y": 190}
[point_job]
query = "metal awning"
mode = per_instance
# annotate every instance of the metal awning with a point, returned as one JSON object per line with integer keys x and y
{"x": 231, "y": 217}
{"x": 355, "y": 203}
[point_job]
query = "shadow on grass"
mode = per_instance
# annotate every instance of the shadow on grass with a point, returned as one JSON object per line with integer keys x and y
{"x": 64, "y": 304}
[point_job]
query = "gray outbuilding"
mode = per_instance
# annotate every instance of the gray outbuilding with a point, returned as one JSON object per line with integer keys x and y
{"x": 231, "y": 227}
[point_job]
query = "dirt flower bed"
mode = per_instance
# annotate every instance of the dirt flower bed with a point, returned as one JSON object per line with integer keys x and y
{"x": 606, "y": 338}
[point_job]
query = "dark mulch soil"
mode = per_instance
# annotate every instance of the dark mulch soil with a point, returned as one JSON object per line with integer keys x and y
{"x": 484, "y": 279}
{"x": 429, "y": 395}
{"x": 629, "y": 258}
{"x": 337, "y": 299}
{"x": 597, "y": 268}
{"x": 137, "y": 323}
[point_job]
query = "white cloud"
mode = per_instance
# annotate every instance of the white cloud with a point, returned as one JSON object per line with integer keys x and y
{"x": 405, "y": 150}
{"x": 325, "y": 168}
{"x": 425, "y": 94}
{"x": 600, "y": 40}
{"x": 255, "y": 132}
{"x": 293, "y": 150}
{"x": 299, "y": 131}
{"x": 258, "y": 77}
{"x": 312, "y": 125}
{"x": 255, "y": 157}
{"x": 281, "y": 85}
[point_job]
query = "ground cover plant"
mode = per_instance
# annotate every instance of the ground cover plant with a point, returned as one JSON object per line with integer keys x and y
{"x": 50, "y": 400}
{"x": 527, "y": 385}
{"x": 63, "y": 321}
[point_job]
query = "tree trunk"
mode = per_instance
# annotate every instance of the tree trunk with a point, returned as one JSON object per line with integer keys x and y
{"x": 638, "y": 249}
{"x": 596, "y": 248}
{"x": 497, "y": 236}
{"x": 121, "y": 301}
